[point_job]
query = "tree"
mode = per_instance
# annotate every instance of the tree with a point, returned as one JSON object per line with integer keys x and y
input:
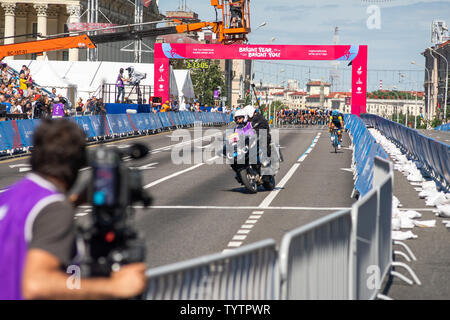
{"x": 205, "y": 81}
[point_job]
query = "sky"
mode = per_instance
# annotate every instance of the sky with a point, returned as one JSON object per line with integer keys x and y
{"x": 404, "y": 28}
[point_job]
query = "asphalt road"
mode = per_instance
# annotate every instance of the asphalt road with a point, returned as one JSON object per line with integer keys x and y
{"x": 200, "y": 209}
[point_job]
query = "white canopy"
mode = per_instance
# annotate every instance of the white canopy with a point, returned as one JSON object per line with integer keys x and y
{"x": 184, "y": 83}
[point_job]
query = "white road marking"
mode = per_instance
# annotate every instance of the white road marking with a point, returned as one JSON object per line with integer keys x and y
{"x": 244, "y": 231}
{"x": 347, "y": 169}
{"x": 20, "y": 165}
{"x": 268, "y": 200}
{"x": 154, "y": 183}
{"x": 24, "y": 169}
{"x": 146, "y": 166}
{"x": 234, "y": 243}
{"x": 181, "y": 207}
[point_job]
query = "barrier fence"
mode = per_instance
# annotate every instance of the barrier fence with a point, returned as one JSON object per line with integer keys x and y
{"x": 444, "y": 127}
{"x": 15, "y": 135}
{"x": 346, "y": 255}
{"x": 433, "y": 155}
{"x": 365, "y": 150}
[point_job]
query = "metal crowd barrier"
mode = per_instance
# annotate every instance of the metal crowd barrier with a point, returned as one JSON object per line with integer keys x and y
{"x": 346, "y": 255}
{"x": 365, "y": 150}
{"x": 314, "y": 259}
{"x": 433, "y": 155}
{"x": 246, "y": 273}
{"x": 444, "y": 127}
{"x": 16, "y": 135}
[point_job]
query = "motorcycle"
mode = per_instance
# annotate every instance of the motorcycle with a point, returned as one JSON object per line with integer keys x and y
{"x": 241, "y": 152}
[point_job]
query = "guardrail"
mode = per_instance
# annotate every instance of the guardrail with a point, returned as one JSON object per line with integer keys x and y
{"x": 247, "y": 273}
{"x": 16, "y": 135}
{"x": 444, "y": 127}
{"x": 433, "y": 155}
{"x": 365, "y": 150}
{"x": 346, "y": 255}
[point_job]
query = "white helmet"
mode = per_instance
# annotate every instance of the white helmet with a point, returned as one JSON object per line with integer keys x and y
{"x": 250, "y": 111}
{"x": 241, "y": 113}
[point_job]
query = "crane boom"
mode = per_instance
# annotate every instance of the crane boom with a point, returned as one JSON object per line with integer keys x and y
{"x": 38, "y": 46}
{"x": 226, "y": 33}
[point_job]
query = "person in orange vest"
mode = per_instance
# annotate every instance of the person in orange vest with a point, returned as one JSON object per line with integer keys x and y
{"x": 165, "y": 107}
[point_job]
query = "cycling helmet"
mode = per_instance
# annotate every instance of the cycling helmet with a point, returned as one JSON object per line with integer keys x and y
{"x": 240, "y": 113}
{"x": 250, "y": 111}
{"x": 335, "y": 112}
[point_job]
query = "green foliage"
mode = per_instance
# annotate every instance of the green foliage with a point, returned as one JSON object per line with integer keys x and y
{"x": 397, "y": 95}
{"x": 206, "y": 80}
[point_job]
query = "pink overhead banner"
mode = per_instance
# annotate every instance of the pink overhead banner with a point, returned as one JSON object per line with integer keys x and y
{"x": 354, "y": 53}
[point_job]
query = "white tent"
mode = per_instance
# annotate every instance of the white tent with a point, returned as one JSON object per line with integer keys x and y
{"x": 185, "y": 86}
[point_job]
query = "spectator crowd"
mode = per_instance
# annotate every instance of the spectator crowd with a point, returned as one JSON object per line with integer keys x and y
{"x": 20, "y": 97}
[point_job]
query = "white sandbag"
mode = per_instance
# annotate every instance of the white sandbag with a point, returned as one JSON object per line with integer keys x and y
{"x": 403, "y": 235}
{"x": 425, "y": 223}
{"x": 444, "y": 211}
{"x": 410, "y": 214}
{"x": 396, "y": 224}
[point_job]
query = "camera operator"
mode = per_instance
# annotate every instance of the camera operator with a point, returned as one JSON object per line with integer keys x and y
{"x": 37, "y": 231}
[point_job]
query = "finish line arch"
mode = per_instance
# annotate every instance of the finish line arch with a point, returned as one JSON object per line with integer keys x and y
{"x": 355, "y": 54}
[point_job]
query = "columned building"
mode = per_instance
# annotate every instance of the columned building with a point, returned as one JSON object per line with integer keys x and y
{"x": 50, "y": 17}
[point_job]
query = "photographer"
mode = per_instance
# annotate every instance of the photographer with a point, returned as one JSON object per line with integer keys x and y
{"x": 37, "y": 232}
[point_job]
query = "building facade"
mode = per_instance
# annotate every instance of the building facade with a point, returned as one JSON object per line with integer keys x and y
{"x": 50, "y": 17}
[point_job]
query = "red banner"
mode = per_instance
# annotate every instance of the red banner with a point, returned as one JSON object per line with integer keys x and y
{"x": 147, "y": 3}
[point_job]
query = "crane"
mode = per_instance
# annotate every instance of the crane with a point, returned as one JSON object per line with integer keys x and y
{"x": 232, "y": 28}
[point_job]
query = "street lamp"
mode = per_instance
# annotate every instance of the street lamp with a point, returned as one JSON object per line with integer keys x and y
{"x": 446, "y": 84}
{"x": 396, "y": 104}
{"x": 427, "y": 109}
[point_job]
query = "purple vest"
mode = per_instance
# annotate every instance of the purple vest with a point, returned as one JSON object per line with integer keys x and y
{"x": 19, "y": 206}
{"x": 246, "y": 130}
{"x": 119, "y": 82}
{"x": 58, "y": 110}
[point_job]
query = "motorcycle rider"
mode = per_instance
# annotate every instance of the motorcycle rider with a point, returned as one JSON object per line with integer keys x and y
{"x": 259, "y": 122}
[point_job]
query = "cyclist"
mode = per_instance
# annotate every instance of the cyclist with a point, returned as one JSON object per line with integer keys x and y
{"x": 336, "y": 121}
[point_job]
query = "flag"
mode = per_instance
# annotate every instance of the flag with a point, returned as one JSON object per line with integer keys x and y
{"x": 439, "y": 107}
{"x": 147, "y": 3}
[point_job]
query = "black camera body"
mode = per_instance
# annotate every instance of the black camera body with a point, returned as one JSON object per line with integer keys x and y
{"x": 109, "y": 239}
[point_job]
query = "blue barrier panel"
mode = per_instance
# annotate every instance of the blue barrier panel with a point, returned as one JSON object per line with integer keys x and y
{"x": 157, "y": 123}
{"x": 365, "y": 150}
{"x": 85, "y": 123}
{"x": 26, "y": 131}
{"x": 116, "y": 123}
{"x": 164, "y": 119}
{"x": 6, "y": 137}
{"x": 184, "y": 118}
{"x": 171, "y": 117}
{"x": 128, "y": 124}
{"x": 138, "y": 120}
{"x": 101, "y": 125}
{"x": 444, "y": 127}
{"x": 433, "y": 155}
{"x": 179, "y": 119}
